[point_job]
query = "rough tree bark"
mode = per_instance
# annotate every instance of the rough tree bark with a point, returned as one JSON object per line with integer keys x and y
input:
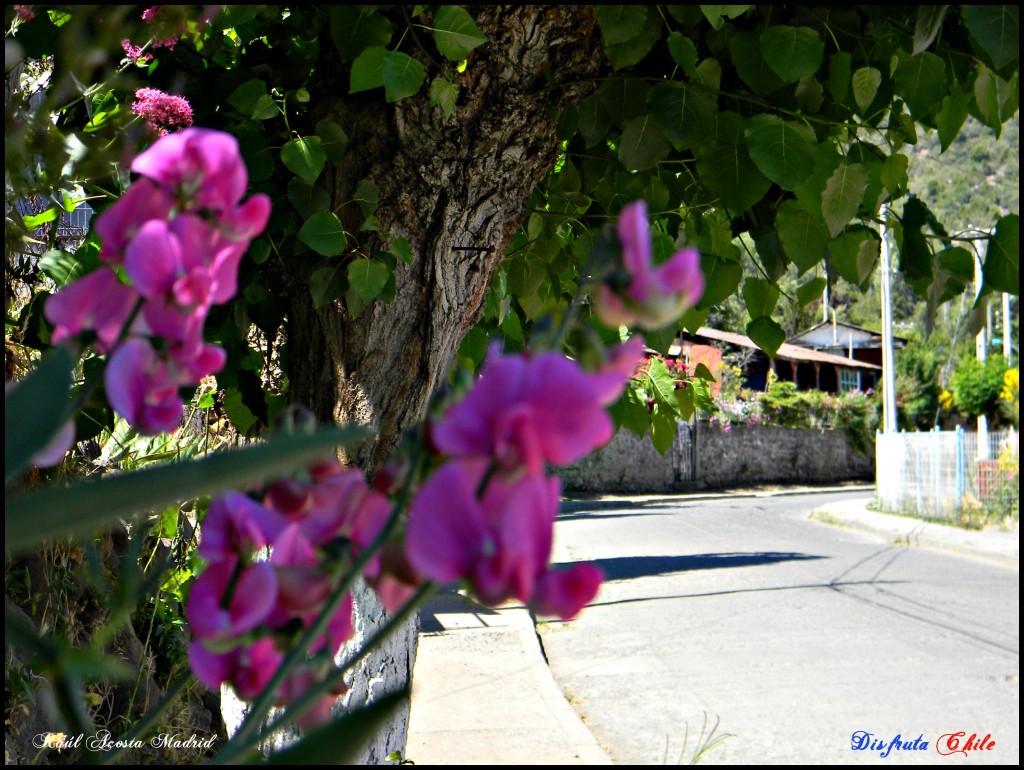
{"x": 457, "y": 189}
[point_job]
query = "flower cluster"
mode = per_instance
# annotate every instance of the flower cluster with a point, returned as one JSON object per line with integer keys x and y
{"x": 135, "y": 53}
{"x": 487, "y": 515}
{"x": 178, "y": 234}
{"x": 640, "y": 294}
{"x": 163, "y": 112}
{"x": 269, "y": 577}
{"x": 24, "y": 12}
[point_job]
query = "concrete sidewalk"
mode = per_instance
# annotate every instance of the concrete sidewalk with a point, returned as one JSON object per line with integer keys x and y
{"x": 482, "y": 690}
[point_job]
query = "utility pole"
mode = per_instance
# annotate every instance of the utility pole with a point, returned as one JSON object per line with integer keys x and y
{"x": 981, "y": 341}
{"x": 888, "y": 359}
{"x": 1007, "y": 349}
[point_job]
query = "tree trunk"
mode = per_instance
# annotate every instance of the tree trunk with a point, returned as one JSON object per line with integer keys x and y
{"x": 457, "y": 190}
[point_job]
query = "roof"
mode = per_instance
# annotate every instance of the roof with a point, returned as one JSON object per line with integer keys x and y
{"x": 865, "y": 338}
{"x": 786, "y": 351}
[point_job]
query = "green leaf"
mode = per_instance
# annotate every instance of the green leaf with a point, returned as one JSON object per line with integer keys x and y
{"x": 854, "y": 253}
{"x": 684, "y": 113}
{"x": 929, "y": 22}
{"x": 809, "y": 94}
{"x": 624, "y": 99}
{"x": 683, "y": 52}
{"x": 63, "y": 267}
{"x": 367, "y": 197}
{"x": 80, "y": 508}
{"x": 703, "y": 373}
{"x": 354, "y": 30}
{"x": 259, "y": 252}
{"x": 333, "y": 139}
{"x": 256, "y": 154}
{"x": 986, "y": 97}
{"x": 594, "y": 121}
{"x": 265, "y": 108}
{"x": 642, "y": 144}
{"x": 702, "y": 396}
{"x": 716, "y": 14}
{"x": 921, "y": 81}
{"x": 326, "y": 285}
{"x": 663, "y": 382}
{"x": 307, "y": 199}
{"x": 444, "y": 94}
{"x": 368, "y": 69}
{"x": 693, "y": 319}
{"x": 792, "y": 52}
{"x": 997, "y": 30}
{"x": 842, "y": 196}
{"x": 810, "y": 291}
{"x": 620, "y": 23}
{"x": 783, "y": 150}
{"x": 760, "y": 296}
{"x": 839, "y": 69}
{"x": 367, "y": 277}
{"x": 323, "y": 233}
{"x": 766, "y": 334}
{"x": 663, "y": 428}
{"x": 866, "y": 81}
{"x": 341, "y": 742}
{"x": 403, "y": 76}
{"x": 894, "y": 174}
{"x": 721, "y": 277}
{"x": 633, "y": 50}
{"x": 455, "y": 33}
{"x": 685, "y": 401}
{"x": 635, "y": 417}
{"x": 240, "y": 415}
{"x": 305, "y": 157}
{"x": 803, "y": 237}
{"x": 33, "y": 413}
{"x": 951, "y": 116}
{"x": 244, "y": 97}
{"x": 729, "y": 172}
{"x": 401, "y": 250}
{"x": 32, "y": 221}
{"x": 745, "y": 51}
{"x": 1002, "y": 258}
{"x": 915, "y": 255}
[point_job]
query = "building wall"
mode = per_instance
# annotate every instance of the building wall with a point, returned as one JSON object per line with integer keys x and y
{"x": 742, "y": 456}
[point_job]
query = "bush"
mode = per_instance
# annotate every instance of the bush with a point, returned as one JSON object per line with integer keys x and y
{"x": 977, "y": 385}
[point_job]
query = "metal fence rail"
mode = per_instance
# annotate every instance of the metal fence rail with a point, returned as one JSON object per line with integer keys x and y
{"x": 943, "y": 474}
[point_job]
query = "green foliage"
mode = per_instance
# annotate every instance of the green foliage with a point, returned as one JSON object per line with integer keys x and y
{"x": 977, "y": 385}
{"x": 918, "y": 367}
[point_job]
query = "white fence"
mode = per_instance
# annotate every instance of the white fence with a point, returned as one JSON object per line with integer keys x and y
{"x": 941, "y": 474}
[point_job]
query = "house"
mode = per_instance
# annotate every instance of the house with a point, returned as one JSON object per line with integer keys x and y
{"x": 810, "y": 369}
{"x": 845, "y": 339}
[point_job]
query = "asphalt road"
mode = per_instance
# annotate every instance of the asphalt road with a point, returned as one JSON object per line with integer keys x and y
{"x": 794, "y": 635}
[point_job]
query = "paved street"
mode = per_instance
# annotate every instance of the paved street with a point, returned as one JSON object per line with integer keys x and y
{"x": 795, "y": 634}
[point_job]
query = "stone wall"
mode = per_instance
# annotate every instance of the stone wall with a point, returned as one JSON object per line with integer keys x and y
{"x": 714, "y": 458}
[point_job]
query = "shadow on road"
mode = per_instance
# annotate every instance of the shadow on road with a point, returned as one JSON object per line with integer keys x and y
{"x": 626, "y": 567}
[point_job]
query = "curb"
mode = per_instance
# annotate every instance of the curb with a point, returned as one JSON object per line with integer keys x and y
{"x": 608, "y": 502}
{"x": 1000, "y": 547}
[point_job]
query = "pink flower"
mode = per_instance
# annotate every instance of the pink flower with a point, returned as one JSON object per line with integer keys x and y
{"x": 253, "y": 596}
{"x": 24, "y": 12}
{"x": 525, "y": 411}
{"x": 249, "y": 669}
{"x": 141, "y": 388}
{"x": 163, "y": 112}
{"x": 564, "y": 593}
{"x": 237, "y": 527}
{"x": 205, "y": 165}
{"x": 653, "y": 296}
{"x": 118, "y": 224}
{"x": 135, "y": 52}
{"x": 611, "y": 376}
{"x": 97, "y": 302}
{"x": 499, "y": 543}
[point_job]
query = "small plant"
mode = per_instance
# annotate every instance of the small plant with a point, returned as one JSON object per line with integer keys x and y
{"x": 705, "y": 742}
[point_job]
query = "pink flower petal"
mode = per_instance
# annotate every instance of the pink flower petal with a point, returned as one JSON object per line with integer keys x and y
{"x": 446, "y": 532}
{"x": 563, "y": 593}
